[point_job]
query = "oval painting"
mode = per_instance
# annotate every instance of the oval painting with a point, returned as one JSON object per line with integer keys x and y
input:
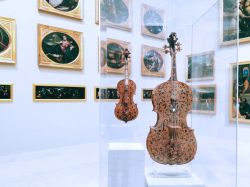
{"x": 153, "y": 61}
{"x": 60, "y": 47}
{"x": 63, "y": 5}
{"x": 115, "y": 11}
{"x": 103, "y": 57}
{"x": 153, "y": 22}
{"x": 114, "y": 56}
{"x": 4, "y": 40}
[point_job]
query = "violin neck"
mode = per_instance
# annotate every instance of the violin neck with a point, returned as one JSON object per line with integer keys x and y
{"x": 126, "y": 72}
{"x": 173, "y": 68}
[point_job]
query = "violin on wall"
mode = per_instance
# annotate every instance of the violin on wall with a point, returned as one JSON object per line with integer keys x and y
{"x": 126, "y": 110}
{"x": 171, "y": 141}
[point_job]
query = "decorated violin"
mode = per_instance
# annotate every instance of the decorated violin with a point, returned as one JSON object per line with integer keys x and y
{"x": 171, "y": 141}
{"x": 126, "y": 110}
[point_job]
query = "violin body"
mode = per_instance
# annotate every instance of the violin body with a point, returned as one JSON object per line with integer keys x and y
{"x": 126, "y": 110}
{"x": 171, "y": 141}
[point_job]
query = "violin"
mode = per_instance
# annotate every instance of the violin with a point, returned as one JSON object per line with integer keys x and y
{"x": 126, "y": 110}
{"x": 171, "y": 141}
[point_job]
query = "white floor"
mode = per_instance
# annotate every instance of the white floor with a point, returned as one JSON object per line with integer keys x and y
{"x": 75, "y": 166}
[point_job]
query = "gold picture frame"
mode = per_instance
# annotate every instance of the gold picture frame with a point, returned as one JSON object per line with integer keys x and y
{"x": 239, "y": 72}
{"x": 97, "y": 12}
{"x": 76, "y": 13}
{"x": 121, "y": 24}
{"x": 102, "y": 65}
{"x": 204, "y": 99}
{"x": 146, "y": 18}
{"x": 6, "y": 92}
{"x": 204, "y": 66}
{"x": 228, "y": 24}
{"x": 59, "y": 48}
{"x": 153, "y": 61}
{"x": 114, "y": 56}
{"x": 8, "y": 40}
{"x": 43, "y": 94}
{"x": 107, "y": 94}
{"x": 146, "y": 94}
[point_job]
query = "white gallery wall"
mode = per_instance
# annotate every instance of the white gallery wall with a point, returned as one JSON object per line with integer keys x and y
{"x": 26, "y": 125}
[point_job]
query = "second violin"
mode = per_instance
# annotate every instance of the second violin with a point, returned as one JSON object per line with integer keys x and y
{"x": 126, "y": 110}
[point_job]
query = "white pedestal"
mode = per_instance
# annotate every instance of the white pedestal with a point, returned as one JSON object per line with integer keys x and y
{"x": 126, "y": 163}
{"x": 190, "y": 180}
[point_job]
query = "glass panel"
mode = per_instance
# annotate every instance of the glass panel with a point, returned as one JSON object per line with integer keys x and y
{"x": 143, "y": 26}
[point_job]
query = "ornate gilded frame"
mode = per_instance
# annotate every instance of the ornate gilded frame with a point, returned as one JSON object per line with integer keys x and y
{"x": 9, "y": 55}
{"x": 43, "y": 60}
{"x": 11, "y": 93}
{"x": 59, "y": 100}
{"x": 103, "y": 46}
{"x": 76, "y": 13}
{"x": 221, "y": 31}
{"x": 144, "y": 70}
{"x": 144, "y": 31}
{"x": 232, "y": 107}
{"x": 124, "y": 45}
{"x": 142, "y": 94}
{"x": 127, "y": 26}
{"x": 103, "y": 100}
{"x": 97, "y": 12}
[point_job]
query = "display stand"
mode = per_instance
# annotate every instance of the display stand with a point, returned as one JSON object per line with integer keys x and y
{"x": 172, "y": 176}
{"x": 125, "y": 165}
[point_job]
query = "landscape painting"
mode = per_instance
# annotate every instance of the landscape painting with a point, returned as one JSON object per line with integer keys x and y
{"x": 204, "y": 99}
{"x": 200, "y": 67}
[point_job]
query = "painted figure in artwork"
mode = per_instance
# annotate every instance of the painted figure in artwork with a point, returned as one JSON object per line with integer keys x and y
{"x": 60, "y": 47}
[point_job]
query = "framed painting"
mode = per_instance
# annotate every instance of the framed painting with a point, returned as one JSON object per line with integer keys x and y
{"x": 200, "y": 67}
{"x": 59, "y": 48}
{"x": 117, "y": 14}
{"x": 146, "y": 94}
{"x": 229, "y": 22}
{"x": 58, "y": 93}
{"x": 97, "y": 11}
{"x": 153, "y": 22}
{"x": 68, "y": 8}
{"x": 7, "y": 40}
{"x": 6, "y": 92}
{"x": 152, "y": 61}
{"x": 102, "y": 57}
{"x": 115, "y": 62}
{"x": 106, "y": 94}
{"x": 242, "y": 87}
{"x": 204, "y": 99}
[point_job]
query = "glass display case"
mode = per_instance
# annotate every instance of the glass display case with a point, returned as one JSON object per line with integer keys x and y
{"x": 206, "y": 63}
